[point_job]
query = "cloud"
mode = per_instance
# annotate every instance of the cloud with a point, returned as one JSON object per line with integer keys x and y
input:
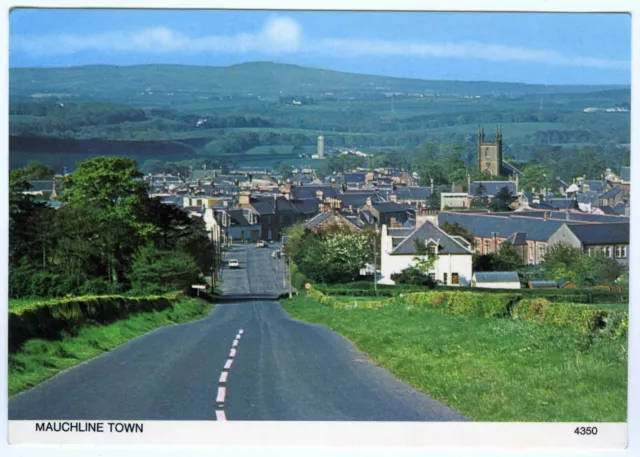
{"x": 283, "y": 35}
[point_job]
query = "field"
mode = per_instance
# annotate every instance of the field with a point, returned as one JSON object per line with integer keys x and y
{"x": 488, "y": 369}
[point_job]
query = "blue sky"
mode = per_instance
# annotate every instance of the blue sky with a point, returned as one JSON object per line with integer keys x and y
{"x": 523, "y": 47}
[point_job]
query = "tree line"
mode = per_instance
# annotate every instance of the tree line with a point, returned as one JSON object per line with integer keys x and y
{"x": 108, "y": 236}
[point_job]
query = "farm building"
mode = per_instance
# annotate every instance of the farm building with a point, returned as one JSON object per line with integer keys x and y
{"x": 496, "y": 280}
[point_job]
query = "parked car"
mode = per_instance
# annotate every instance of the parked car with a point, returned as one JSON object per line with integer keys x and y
{"x": 261, "y": 244}
{"x": 275, "y": 254}
{"x": 233, "y": 263}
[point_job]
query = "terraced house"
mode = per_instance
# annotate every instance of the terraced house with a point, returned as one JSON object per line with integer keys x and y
{"x": 530, "y": 232}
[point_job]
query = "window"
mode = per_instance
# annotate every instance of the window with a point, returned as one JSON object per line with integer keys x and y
{"x": 432, "y": 276}
{"x": 432, "y": 250}
{"x": 542, "y": 250}
{"x": 455, "y": 278}
{"x": 487, "y": 246}
{"x": 621, "y": 252}
{"x": 531, "y": 256}
{"x": 607, "y": 251}
{"x": 444, "y": 278}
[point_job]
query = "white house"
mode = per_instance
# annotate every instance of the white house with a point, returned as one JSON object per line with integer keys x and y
{"x": 398, "y": 252}
{"x": 496, "y": 280}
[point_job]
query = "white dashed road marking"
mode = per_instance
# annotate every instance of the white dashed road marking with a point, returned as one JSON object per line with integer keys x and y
{"x": 222, "y": 391}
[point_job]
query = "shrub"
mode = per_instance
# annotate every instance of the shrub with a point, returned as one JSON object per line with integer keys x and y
{"x": 414, "y": 276}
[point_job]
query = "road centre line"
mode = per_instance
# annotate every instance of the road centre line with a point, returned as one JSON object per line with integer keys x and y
{"x": 222, "y": 392}
{"x": 235, "y": 343}
{"x": 223, "y": 377}
{"x": 232, "y": 353}
{"x": 220, "y": 415}
{"x": 241, "y": 331}
{"x": 228, "y": 364}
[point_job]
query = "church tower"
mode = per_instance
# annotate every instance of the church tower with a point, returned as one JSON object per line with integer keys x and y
{"x": 490, "y": 154}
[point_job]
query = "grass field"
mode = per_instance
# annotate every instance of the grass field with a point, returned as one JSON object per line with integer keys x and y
{"x": 39, "y": 360}
{"x": 488, "y": 369}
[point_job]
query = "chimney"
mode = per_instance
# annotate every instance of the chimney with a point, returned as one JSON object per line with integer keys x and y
{"x": 517, "y": 180}
{"x": 546, "y": 215}
{"x": 393, "y": 198}
{"x": 567, "y": 216}
{"x": 468, "y": 182}
{"x": 369, "y": 201}
{"x": 333, "y": 183}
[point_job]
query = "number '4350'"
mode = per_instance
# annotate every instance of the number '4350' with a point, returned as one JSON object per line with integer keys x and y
{"x": 586, "y": 431}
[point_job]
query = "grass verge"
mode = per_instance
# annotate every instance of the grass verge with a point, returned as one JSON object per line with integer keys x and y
{"x": 488, "y": 369}
{"x": 39, "y": 359}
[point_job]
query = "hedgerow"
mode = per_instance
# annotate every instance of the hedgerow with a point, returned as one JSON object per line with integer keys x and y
{"x": 51, "y": 318}
{"x": 608, "y": 323}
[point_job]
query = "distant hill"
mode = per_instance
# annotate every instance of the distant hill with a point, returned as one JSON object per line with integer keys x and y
{"x": 179, "y": 83}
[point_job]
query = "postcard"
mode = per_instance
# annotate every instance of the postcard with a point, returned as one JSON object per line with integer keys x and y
{"x": 270, "y": 227}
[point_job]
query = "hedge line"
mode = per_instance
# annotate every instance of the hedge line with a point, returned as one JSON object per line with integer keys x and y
{"x": 50, "y": 319}
{"x": 554, "y": 295}
{"x": 587, "y": 318}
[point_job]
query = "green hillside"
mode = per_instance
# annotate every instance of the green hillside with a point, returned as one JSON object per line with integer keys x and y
{"x": 168, "y": 84}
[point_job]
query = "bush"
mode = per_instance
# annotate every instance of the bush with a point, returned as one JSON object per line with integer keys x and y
{"x": 415, "y": 277}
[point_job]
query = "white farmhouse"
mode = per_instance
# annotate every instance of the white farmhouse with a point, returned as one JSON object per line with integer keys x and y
{"x": 398, "y": 252}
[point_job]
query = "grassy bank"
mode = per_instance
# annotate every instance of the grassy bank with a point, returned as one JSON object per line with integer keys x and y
{"x": 39, "y": 359}
{"x": 489, "y": 369}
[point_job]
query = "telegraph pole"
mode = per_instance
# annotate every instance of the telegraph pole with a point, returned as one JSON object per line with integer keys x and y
{"x": 375, "y": 264}
{"x": 290, "y": 290}
{"x": 215, "y": 261}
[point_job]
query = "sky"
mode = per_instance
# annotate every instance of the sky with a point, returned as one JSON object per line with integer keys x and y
{"x": 543, "y": 48}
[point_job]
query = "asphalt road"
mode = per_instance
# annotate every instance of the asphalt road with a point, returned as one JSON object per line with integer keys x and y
{"x": 246, "y": 361}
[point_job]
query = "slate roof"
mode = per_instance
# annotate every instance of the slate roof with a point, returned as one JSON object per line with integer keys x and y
{"x": 413, "y": 193}
{"x": 542, "y": 284}
{"x": 356, "y": 200}
{"x": 300, "y": 192}
{"x": 354, "y": 178}
{"x": 237, "y": 218}
{"x": 496, "y": 276}
{"x": 492, "y": 188}
{"x": 593, "y": 234}
{"x": 262, "y": 207}
{"x": 409, "y": 223}
{"x": 321, "y": 217}
{"x": 388, "y": 207}
{"x": 426, "y": 232}
{"x": 608, "y": 210}
{"x": 517, "y": 238}
{"x": 590, "y": 196}
{"x": 308, "y": 206}
{"x": 620, "y": 208}
{"x": 564, "y": 203}
{"x": 574, "y": 217}
{"x": 595, "y": 184}
{"x": 612, "y": 193}
{"x": 402, "y": 232}
{"x": 543, "y": 206}
{"x": 484, "y": 226}
{"x": 625, "y": 174}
